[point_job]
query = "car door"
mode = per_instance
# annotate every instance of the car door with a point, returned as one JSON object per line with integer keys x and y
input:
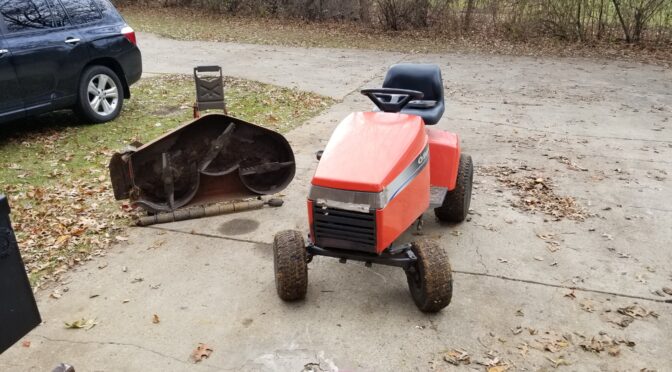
{"x": 11, "y": 104}
{"x": 45, "y": 49}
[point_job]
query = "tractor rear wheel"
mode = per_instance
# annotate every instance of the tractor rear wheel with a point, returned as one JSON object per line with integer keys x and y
{"x": 456, "y": 203}
{"x": 291, "y": 265}
{"x": 430, "y": 280}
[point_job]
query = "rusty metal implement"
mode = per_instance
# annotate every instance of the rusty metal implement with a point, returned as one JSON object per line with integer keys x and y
{"x": 201, "y": 211}
{"x": 210, "y": 159}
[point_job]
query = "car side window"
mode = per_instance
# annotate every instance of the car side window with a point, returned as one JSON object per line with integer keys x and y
{"x": 81, "y": 11}
{"x": 60, "y": 19}
{"x": 26, "y": 15}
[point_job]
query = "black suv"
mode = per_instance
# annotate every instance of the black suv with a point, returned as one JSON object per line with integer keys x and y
{"x": 57, "y": 54}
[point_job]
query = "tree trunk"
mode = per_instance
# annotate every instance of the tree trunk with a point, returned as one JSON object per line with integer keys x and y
{"x": 600, "y": 25}
{"x": 468, "y": 15}
{"x": 579, "y": 27}
{"x": 365, "y": 11}
{"x": 626, "y": 31}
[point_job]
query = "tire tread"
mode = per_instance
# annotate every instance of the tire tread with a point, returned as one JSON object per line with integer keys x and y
{"x": 290, "y": 263}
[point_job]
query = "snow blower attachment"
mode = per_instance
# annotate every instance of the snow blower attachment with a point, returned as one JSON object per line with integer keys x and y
{"x": 211, "y": 159}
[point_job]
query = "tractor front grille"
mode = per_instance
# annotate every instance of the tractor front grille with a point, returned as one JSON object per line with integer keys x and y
{"x": 339, "y": 228}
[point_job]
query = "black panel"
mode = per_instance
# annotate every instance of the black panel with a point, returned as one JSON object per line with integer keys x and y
{"x": 18, "y": 311}
{"x": 338, "y": 228}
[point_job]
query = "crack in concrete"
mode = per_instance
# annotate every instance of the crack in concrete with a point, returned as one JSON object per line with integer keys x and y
{"x": 480, "y": 256}
{"x": 114, "y": 343}
{"x": 207, "y": 235}
{"x": 582, "y": 289}
{"x": 486, "y": 273}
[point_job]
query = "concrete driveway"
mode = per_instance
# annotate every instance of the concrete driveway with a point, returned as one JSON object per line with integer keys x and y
{"x": 595, "y": 131}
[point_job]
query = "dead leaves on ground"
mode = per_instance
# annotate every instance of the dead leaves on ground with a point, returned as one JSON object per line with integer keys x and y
{"x": 602, "y": 342}
{"x": 629, "y": 314}
{"x": 491, "y": 361}
{"x": 62, "y": 225}
{"x": 535, "y": 193}
{"x": 636, "y": 311}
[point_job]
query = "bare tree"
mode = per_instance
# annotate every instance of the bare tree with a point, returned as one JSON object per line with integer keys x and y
{"x": 468, "y": 14}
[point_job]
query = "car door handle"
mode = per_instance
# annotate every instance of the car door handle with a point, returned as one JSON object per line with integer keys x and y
{"x": 3, "y": 52}
{"x": 72, "y": 40}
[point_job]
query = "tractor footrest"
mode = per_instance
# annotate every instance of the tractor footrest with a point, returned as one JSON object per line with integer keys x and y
{"x": 436, "y": 196}
{"x": 404, "y": 258}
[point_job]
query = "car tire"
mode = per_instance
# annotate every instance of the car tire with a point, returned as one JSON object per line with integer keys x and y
{"x": 430, "y": 280}
{"x": 291, "y": 265}
{"x": 100, "y": 95}
{"x": 455, "y": 206}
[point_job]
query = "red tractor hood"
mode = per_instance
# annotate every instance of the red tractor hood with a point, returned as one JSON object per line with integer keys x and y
{"x": 370, "y": 149}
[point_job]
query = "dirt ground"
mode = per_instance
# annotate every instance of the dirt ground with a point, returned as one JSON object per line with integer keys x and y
{"x": 565, "y": 261}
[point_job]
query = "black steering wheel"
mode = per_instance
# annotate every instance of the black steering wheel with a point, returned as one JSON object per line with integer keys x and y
{"x": 391, "y": 99}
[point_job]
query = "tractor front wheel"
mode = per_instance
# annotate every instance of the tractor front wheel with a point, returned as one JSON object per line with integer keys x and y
{"x": 291, "y": 265}
{"x": 430, "y": 280}
{"x": 456, "y": 203}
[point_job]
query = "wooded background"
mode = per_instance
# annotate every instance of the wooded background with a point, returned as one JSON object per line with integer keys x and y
{"x": 632, "y": 21}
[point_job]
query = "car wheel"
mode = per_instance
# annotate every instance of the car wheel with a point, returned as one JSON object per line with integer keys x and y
{"x": 290, "y": 260}
{"x": 101, "y": 95}
{"x": 430, "y": 280}
{"x": 456, "y": 203}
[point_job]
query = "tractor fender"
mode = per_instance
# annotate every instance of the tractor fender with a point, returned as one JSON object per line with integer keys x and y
{"x": 444, "y": 158}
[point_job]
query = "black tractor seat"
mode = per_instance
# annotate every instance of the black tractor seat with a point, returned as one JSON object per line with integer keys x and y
{"x": 425, "y": 78}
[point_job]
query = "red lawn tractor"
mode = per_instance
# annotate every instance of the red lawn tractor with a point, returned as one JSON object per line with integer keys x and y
{"x": 379, "y": 173}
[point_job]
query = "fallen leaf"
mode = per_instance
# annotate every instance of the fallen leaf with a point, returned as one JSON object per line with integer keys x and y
{"x": 81, "y": 323}
{"x": 614, "y": 351}
{"x": 587, "y": 305}
{"x": 457, "y": 357}
{"x": 623, "y": 321}
{"x": 558, "y": 362}
{"x": 155, "y": 319}
{"x": 157, "y": 243}
{"x": 25, "y": 343}
{"x": 201, "y": 352}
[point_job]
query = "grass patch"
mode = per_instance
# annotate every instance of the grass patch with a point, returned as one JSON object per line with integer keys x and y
{"x": 194, "y": 24}
{"x": 54, "y": 168}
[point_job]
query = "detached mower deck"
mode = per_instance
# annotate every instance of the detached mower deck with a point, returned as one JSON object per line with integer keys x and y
{"x": 213, "y": 158}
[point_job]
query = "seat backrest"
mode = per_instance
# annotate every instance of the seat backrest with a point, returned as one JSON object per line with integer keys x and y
{"x": 425, "y": 78}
